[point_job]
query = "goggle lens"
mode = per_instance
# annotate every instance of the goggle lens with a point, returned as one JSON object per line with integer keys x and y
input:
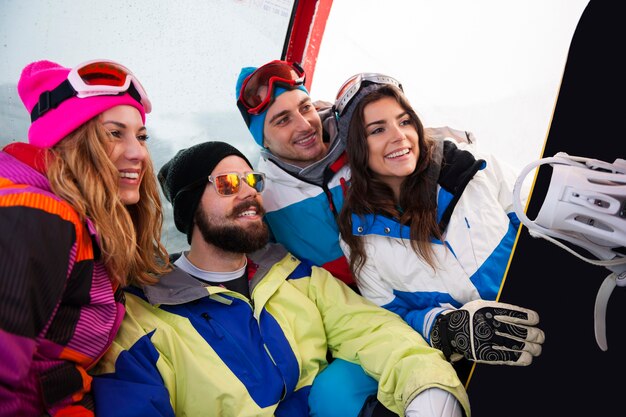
{"x": 257, "y": 89}
{"x": 256, "y": 181}
{"x": 229, "y": 184}
{"x": 103, "y": 73}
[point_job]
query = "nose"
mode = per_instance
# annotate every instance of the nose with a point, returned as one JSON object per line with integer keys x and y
{"x": 135, "y": 149}
{"x": 397, "y": 133}
{"x": 247, "y": 191}
{"x": 302, "y": 122}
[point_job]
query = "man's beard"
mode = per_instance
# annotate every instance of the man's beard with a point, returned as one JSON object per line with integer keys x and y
{"x": 233, "y": 238}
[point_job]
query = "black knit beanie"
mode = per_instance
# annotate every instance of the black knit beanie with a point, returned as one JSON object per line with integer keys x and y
{"x": 191, "y": 168}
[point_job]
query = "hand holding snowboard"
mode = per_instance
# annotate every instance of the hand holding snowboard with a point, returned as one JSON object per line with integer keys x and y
{"x": 489, "y": 332}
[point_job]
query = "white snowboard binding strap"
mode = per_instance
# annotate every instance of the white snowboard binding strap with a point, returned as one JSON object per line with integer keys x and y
{"x": 586, "y": 206}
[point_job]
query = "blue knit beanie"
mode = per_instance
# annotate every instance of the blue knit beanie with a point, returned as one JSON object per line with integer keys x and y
{"x": 255, "y": 122}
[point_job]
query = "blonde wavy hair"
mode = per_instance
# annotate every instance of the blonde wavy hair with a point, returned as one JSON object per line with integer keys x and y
{"x": 81, "y": 172}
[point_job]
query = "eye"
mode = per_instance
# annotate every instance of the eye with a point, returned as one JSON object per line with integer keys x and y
{"x": 376, "y": 131}
{"x": 405, "y": 122}
{"x": 115, "y": 133}
{"x": 306, "y": 108}
{"x": 282, "y": 121}
{"x": 143, "y": 138}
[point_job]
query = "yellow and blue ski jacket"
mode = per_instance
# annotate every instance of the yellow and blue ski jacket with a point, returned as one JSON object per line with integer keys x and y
{"x": 187, "y": 349}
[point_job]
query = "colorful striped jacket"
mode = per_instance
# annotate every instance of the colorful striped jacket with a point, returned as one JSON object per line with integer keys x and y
{"x": 58, "y": 311}
{"x": 188, "y": 349}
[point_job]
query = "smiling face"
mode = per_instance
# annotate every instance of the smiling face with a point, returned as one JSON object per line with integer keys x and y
{"x": 126, "y": 149}
{"x": 392, "y": 141}
{"x": 233, "y": 222}
{"x": 293, "y": 129}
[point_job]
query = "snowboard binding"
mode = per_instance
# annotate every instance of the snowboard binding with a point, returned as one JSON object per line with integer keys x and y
{"x": 585, "y": 206}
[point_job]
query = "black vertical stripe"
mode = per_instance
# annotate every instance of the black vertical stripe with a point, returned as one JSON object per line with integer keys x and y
{"x": 76, "y": 296}
{"x": 60, "y": 382}
{"x": 34, "y": 254}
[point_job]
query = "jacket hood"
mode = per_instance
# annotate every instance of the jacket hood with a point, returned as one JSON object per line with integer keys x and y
{"x": 19, "y": 171}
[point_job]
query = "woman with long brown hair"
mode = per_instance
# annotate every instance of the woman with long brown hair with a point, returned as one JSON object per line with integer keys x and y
{"x": 428, "y": 227}
{"x": 81, "y": 218}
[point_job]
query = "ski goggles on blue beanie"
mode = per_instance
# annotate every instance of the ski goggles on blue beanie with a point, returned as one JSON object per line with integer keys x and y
{"x": 257, "y": 88}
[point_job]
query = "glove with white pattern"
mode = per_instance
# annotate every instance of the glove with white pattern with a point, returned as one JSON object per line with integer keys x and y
{"x": 489, "y": 332}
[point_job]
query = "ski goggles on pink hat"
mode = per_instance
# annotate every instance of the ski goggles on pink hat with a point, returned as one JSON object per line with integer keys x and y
{"x": 257, "y": 89}
{"x": 353, "y": 85}
{"x": 90, "y": 79}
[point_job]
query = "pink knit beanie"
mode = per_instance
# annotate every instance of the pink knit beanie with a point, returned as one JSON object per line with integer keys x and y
{"x": 57, "y": 123}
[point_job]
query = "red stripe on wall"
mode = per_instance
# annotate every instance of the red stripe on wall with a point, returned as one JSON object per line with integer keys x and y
{"x": 307, "y": 33}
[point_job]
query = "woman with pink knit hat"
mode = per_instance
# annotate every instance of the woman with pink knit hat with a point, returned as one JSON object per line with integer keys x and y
{"x": 81, "y": 217}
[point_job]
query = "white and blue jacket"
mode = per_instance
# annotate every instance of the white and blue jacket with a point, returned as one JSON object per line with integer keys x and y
{"x": 301, "y": 213}
{"x": 474, "y": 198}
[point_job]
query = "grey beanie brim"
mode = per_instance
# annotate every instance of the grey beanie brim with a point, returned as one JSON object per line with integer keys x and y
{"x": 343, "y": 123}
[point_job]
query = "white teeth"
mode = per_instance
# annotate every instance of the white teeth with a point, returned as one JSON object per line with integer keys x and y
{"x": 305, "y": 139}
{"x": 248, "y": 213}
{"x": 132, "y": 175}
{"x": 397, "y": 154}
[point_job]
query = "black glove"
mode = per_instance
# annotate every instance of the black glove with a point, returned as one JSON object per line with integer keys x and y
{"x": 489, "y": 332}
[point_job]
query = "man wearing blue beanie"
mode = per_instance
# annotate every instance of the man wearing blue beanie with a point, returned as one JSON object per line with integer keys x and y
{"x": 305, "y": 167}
{"x": 305, "y": 174}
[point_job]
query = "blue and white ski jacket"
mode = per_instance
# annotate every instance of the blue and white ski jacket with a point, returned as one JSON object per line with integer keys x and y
{"x": 470, "y": 261}
{"x": 301, "y": 215}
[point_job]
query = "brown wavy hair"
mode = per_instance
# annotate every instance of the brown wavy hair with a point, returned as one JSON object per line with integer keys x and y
{"x": 81, "y": 172}
{"x": 367, "y": 194}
